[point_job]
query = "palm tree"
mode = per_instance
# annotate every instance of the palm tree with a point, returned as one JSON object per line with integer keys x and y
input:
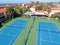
{"x": 10, "y": 12}
{"x": 14, "y": 11}
{"x": 44, "y": 7}
{"x": 20, "y": 10}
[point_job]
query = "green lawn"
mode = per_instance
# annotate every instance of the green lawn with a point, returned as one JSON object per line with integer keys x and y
{"x": 32, "y": 38}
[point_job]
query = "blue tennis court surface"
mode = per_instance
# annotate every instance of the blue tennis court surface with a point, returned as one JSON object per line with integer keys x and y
{"x": 48, "y": 34}
{"x": 9, "y": 34}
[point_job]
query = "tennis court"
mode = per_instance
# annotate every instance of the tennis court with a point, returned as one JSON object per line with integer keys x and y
{"x": 10, "y": 33}
{"x": 48, "y": 34}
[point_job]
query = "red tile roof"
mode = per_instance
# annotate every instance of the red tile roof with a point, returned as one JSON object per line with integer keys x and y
{"x": 33, "y": 6}
{"x": 55, "y": 8}
{"x": 41, "y": 11}
{"x": 2, "y": 10}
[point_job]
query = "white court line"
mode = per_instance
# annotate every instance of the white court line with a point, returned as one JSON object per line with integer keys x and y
{"x": 13, "y": 31}
{"x": 50, "y": 35}
{"x": 50, "y": 31}
{"x": 51, "y": 41}
{"x": 57, "y": 29}
{"x": 17, "y": 31}
{"x": 7, "y": 34}
{"x": 40, "y": 39}
{"x": 16, "y": 35}
{"x": 11, "y": 40}
{"x": 14, "y": 38}
{"x": 39, "y": 35}
{"x": 11, "y": 34}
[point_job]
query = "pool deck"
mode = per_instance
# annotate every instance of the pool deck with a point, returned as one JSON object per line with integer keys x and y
{"x": 33, "y": 36}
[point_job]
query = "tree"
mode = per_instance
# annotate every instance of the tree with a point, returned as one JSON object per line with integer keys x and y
{"x": 44, "y": 7}
{"x": 58, "y": 15}
{"x": 9, "y": 11}
{"x": 14, "y": 11}
{"x": 39, "y": 7}
{"x": 37, "y": 2}
{"x": 28, "y": 8}
{"x": 32, "y": 2}
{"x": 19, "y": 9}
{"x": 55, "y": 15}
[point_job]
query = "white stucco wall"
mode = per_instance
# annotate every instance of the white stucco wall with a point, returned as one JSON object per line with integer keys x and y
{"x": 32, "y": 9}
{"x": 53, "y": 11}
{"x": 39, "y": 13}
